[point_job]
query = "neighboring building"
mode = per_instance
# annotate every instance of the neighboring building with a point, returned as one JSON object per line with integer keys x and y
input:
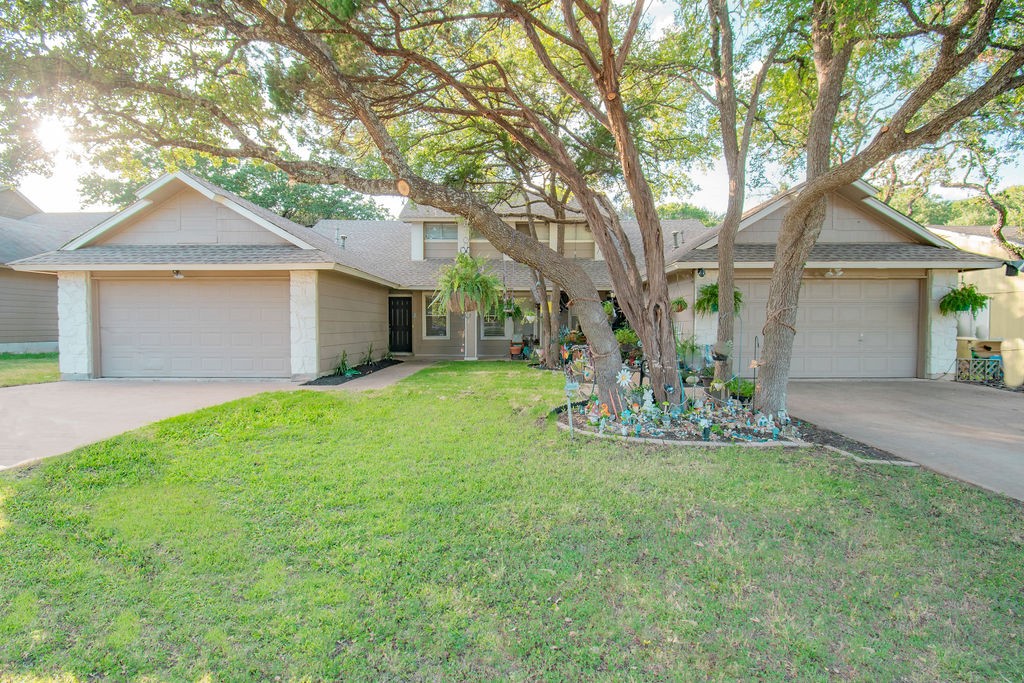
{"x": 192, "y": 281}
{"x": 28, "y": 301}
{"x": 1004, "y": 317}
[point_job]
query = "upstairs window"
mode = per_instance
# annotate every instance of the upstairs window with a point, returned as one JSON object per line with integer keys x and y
{"x": 440, "y": 240}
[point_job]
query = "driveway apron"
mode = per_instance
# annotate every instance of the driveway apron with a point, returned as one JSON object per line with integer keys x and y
{"x": 968, "y": 432}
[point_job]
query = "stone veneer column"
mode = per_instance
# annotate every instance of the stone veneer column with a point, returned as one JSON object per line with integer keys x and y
{"x": 74, "y": 324}
{"x": 939, "y": 330}
{"x": 471, "y": 327}
{"x": 303, "y": 304}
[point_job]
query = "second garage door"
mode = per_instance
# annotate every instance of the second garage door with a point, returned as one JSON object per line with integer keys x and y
{"x": 194, "y": 327}
{"x": 845, "y": 327}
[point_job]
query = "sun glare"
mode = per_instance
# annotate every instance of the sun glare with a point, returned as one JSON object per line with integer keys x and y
{"x": 52, "y": 134}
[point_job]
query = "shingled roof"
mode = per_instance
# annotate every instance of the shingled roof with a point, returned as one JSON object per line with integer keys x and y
{"x": 915, "y": 255}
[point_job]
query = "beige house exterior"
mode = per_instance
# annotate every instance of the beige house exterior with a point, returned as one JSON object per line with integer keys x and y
{"x": 193, "y": 281}
{"x": 1003, "y": 320}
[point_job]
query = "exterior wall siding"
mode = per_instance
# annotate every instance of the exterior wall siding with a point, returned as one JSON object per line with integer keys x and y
{"x": 450, "y": 348}
{"x": 844, "y": 223}
{"x": 190, "y": 218}
{"x": 28, "y": 309}
{"x": 352, "y": 315}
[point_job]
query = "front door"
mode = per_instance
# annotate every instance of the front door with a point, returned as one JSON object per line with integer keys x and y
{"x": 400, "y": 324}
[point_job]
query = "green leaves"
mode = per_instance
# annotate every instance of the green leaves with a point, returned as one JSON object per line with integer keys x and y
{"x": 468, "y": 285}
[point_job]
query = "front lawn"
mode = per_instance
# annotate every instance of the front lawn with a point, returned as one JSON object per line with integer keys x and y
{"x": 435, "y": 531}
{"x": 28, "y": 368}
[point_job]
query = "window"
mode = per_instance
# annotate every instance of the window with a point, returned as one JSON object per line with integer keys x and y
{"x": 493, "y": 327}
{"x": 479, "y": 246}
{"x": 436, "y": 232}
{"x": 579, "y": 242}
{"x": 440, "y": 240}
{"x": 435, "y": 323}
{"x": 543, "y": 230}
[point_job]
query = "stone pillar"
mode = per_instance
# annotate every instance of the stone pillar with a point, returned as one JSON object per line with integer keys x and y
{"x": 939, "y": 347}
{"x": 74, "y": 324}
{"x": 303, "y": 304}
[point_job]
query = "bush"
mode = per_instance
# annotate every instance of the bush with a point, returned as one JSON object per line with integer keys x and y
{"x": 626, "y": 335}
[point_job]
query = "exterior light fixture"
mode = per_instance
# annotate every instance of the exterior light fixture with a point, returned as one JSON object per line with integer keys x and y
{"x": 700, "y": 272}
{"x": 1013, "y": 268}
{"x": 177, "y": 275}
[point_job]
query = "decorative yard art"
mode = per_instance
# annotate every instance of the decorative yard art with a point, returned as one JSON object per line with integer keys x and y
{"x": 700, "y": 417}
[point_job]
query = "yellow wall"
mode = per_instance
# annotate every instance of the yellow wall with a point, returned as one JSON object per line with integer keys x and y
{"x": 1006, "y": 310}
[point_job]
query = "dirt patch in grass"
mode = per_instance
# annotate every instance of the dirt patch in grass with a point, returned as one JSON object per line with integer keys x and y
{"x": 364, "y": 370}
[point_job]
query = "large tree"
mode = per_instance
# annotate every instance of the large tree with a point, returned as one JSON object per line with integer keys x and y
{"x": 945, "y": 62}
{"x": 361, "y": 82}
{"x": 251, "y": 81}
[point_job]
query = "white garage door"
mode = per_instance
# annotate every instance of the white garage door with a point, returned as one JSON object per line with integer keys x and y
{"x": 194, "y": 328}
{"x": 845, "y": 327}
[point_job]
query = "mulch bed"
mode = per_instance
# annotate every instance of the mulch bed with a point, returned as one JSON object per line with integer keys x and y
{"x": 364, "y": 370}
{"x": 812, "y": 433}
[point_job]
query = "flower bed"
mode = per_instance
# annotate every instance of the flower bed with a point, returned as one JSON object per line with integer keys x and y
{"x": 700, "y": 419}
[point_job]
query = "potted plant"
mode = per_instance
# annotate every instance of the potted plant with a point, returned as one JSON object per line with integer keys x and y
{"x": 678, "y": 304}
{"x": 707, "y": 300}
{"x": 686, "y": 351}
{"x": 707, "y": 374}
{"x": 961, "y": 300}
{"x": 628, "y": 341}
{"x": 468, "y": 285}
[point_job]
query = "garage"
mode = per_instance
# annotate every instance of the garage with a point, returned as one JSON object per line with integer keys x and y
{"x": 194, "y": 327}
{"x": 846, "y": 328}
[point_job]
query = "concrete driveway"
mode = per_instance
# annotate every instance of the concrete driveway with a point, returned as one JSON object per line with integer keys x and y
{"x": 41, "y": 420}
{"x": 968, "y": 432}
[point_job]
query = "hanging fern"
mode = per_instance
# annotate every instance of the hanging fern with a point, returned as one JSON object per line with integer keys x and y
{"x": 963, "y": 298}
{"x": 707, "y": 300}
{"x": 468, "y": 285}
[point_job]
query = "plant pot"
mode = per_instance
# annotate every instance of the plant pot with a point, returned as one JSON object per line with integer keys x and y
{"x": 515, "y": 349}
{"x": 964, "y": 324}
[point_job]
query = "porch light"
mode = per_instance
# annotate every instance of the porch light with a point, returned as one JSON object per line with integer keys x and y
{"x": 1013, "y": 268}
{"x": 177, "y": 275}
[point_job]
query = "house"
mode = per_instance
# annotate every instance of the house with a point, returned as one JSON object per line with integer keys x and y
{"x": 28, "y": 301}
{"x": 869, "y": 296}
{"x": 1004, "y": 317}
{"x": 193, "y": 281}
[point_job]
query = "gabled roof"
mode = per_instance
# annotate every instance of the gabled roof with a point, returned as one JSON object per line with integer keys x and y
{"x": 13, "y": 204}
{"x": 851, "y": 256}
{"x": 1012, "y": 233}
{"x": 860, "y": 193}
{"x": 167, "y": 184}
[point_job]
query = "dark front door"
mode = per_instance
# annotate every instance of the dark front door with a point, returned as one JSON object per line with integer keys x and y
{"x": 400, "y": 324}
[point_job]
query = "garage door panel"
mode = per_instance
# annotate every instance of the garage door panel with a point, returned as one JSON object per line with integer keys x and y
{"x": 194, "y": 328}
{"x": 845, "y": 327}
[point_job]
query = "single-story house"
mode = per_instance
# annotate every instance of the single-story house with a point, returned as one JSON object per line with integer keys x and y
{"x": 193, "y": 281}
{"x": 28, "y": 301}
{"x": 1003, "y": 320}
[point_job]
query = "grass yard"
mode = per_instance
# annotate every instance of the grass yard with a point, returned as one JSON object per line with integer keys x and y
{"x": 435, "y": 531}
{"x": 28, "y": 368}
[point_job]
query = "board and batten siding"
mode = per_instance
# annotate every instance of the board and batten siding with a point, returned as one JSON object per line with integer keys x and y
{"x": 190, "y": 218}
{"x": 844, "y": 223}
{"x": 352, "y": 315}
{"x": 28, "y": 307}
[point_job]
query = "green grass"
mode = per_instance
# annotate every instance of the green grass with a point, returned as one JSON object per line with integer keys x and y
{"x": 28, "y": 368}
{"x": 439, "y": 530}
